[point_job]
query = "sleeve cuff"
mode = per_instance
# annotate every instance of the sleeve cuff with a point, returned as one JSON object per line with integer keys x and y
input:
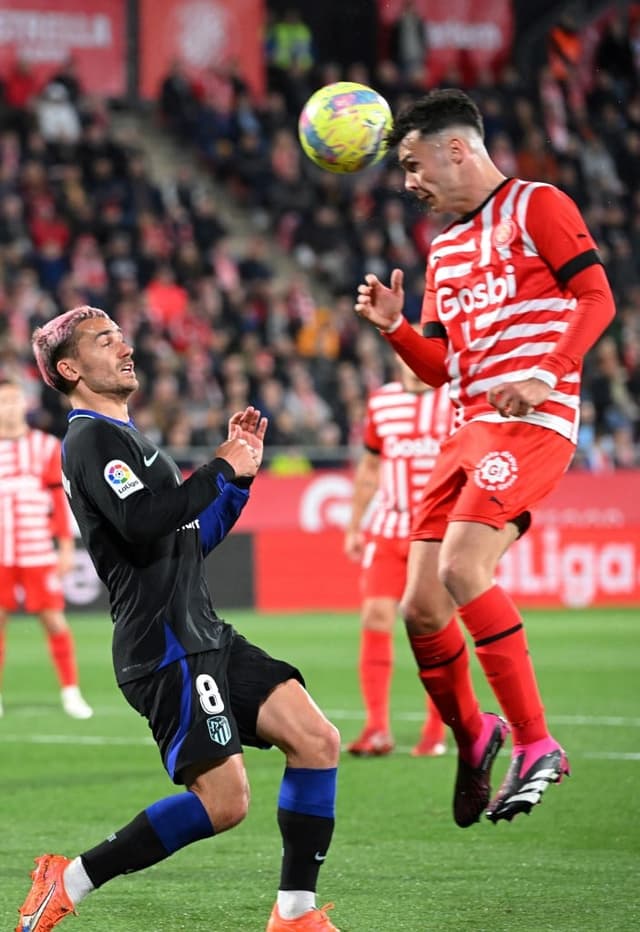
{"x": 547, "y": 377}
{"x": 394, "y": 326}
{"x": 218, "y": 465}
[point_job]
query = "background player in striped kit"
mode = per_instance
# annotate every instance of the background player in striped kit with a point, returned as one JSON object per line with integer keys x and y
{"x": 33, "y": 516}
{"x": 405, "y": 424}
{"x": 515, "y": 296}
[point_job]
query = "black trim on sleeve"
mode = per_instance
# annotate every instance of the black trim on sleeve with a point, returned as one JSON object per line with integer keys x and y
{"x": 578, "y": 264}
{"x": 243, "y": 482}
{"x": 227, "y": 470}
{"x": 371, "y": 450}
{"x": 434, "y": 329}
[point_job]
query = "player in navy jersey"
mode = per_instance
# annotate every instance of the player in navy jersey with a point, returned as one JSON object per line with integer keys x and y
{"x": 204, "y": 689}
{"x": 515, "y": 296}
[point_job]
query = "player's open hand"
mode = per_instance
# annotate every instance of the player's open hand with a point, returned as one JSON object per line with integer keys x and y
{"x": 243, "y": 458}
{"x": 517, "y": 399}
{"x": 251, "y": 427}
{"x": 379, "y": 304}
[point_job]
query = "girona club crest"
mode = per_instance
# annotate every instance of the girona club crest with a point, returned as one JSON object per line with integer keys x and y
{"x": 504, "y": 233}
{"x": 497, "y": 470}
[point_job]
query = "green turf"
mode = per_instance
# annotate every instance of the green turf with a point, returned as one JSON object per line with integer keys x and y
{"x": 398, "y": 861}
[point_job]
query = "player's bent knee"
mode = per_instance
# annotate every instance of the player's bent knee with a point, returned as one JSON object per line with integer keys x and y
{"x": 225, "y": 810}
{"x": 462, "y": 580}
{"x": 319, "y": 747}
{"x": 420, "y": 619}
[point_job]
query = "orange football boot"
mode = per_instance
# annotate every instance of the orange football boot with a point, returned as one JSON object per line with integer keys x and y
{"x": 47, "y": 902}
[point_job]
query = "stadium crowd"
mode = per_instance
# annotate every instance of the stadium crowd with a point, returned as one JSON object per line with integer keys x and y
{"x": 82, "y": 221}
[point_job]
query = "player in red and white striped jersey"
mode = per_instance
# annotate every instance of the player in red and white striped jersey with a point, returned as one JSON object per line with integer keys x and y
{"x": 405, "y": 424}
{"x": 34, "y": 515}
{"x": 515, "y": 296}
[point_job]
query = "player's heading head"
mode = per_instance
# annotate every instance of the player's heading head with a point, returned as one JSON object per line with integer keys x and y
{"x": 58, "y": 338}
{"x": 440, "y": 140}
{"x": 438, "y": 110}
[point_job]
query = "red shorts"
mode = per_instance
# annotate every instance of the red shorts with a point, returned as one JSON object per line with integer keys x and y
{"x": 490, "y": 473}
{"x": 36, "y": 587}
{"x": 384, "y": 568}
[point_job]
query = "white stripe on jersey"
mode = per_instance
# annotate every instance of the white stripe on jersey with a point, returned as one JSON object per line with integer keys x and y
{"x": 521, "y": 214}
{"x": 523, "y": 307}
{"x": 453, "y": 271}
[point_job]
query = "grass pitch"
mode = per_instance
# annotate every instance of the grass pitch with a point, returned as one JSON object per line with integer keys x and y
{"x": 398, "y": 861}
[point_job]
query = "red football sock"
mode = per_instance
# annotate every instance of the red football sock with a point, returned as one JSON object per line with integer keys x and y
{"x": 62, "y": 651}
{"x": 443, "y": 663}
{"x": 376, "y": 666}
{"x": 496, "y": 627}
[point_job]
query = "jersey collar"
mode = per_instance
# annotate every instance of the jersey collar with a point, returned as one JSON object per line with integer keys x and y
{"x": 85, "y": 412}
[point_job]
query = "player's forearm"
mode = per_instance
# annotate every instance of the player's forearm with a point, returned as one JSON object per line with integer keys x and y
{"x": 425, "y": 355}
{"x": 220, "y": 516}
{"x": 147, "y": 517}
{"x": 594, "y": 312}
{"x": 365, "y": 485}
{"x": 359, "y": 504}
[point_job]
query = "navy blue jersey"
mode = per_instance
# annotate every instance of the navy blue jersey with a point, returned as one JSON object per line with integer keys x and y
{"x": 140, "y": 523}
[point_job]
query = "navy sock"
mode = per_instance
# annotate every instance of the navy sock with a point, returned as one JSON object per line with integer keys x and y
{"x": 306, "y": 817}
{"x": 164, "y": 827}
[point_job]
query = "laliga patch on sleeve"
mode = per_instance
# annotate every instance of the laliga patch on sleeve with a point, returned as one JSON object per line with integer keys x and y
{"x": 121, "y": 478}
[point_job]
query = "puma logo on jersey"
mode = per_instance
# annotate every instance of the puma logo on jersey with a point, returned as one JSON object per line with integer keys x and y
{"x": 489, "y": 290}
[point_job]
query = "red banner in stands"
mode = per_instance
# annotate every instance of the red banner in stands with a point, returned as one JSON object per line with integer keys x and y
{"x": 46, "y": 32}
{"x": 202, "y": 34}
{"x": 583, "y": 548}
{"x": 461, "y": 34}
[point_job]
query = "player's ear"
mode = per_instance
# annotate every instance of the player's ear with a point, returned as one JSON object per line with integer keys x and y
{"x": 458, "y": 148}
{"x": 67, "y": 369}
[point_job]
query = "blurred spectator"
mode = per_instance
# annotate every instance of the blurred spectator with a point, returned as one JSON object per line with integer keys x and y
{"x": 290, "y": 56}
{"x": 408, "y": 39}
{"x": 614, "y": 54}
{"x": 616, "y": 411}
{"x": 58, "y": 119}
{"x": 178, "y": 105}
{"x": 20, "y": 90}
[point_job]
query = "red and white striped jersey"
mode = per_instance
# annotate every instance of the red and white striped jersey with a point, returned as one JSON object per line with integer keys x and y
{"x": 406, "y": 429}
{"x": 33, "y": 507}
{"x": 496, "y": 282}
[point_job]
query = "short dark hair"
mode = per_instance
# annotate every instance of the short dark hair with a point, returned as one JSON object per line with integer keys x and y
{"x": 437, "y": 110}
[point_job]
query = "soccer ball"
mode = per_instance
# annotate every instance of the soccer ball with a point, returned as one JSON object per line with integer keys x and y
{"x": 342, "y": 127}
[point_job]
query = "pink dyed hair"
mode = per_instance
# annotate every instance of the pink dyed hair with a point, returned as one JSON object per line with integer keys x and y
{"x": 57, "y": 338}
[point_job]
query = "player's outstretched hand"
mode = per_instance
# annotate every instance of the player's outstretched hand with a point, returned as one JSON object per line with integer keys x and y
{"x": 516, "y": 399}
{"x": 252, "y": 428}
{"x": 379, "y": 304}
{"x": 243, "y": 458}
